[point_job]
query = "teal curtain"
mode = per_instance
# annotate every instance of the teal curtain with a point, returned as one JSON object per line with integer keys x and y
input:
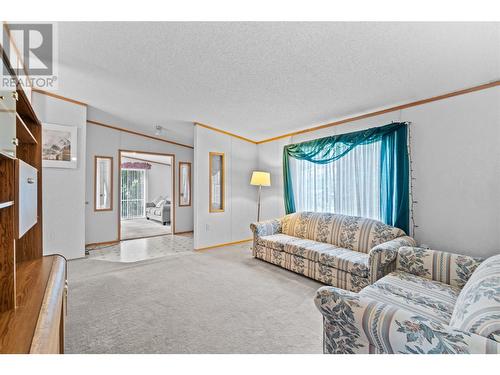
{"x": 394, "y": 170}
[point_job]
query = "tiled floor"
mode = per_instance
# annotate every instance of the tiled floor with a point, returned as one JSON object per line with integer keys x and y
{"x": 137, "y": 228}
{"x": 144, "y": 248}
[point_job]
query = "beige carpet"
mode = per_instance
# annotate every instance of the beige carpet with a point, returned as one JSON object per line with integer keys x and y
{"x": 138, "y": 228}
{"x": 213, "y": 301}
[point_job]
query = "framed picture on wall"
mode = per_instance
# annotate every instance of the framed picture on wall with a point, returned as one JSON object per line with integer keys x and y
{"x": 59, "y": 146}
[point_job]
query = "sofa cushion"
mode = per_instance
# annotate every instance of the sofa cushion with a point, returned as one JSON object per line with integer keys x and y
{"x": 478, "y": 306}
{"x": 275, "y": 241}
{"x": 424, "y": 297}
{"x": 348, "y": 232}
{"x": 330, "y": 255}
{"x": 324, "y": 253}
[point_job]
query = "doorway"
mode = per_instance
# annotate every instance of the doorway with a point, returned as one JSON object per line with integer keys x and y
{"x": 147, "y": 195}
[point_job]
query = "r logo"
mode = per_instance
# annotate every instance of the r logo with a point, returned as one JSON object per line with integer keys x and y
{"x": 35, "y": 43}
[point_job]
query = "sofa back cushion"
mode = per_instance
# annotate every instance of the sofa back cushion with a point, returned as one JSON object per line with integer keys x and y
{"x": 349, "y": 232}
{"x": 478, "y": 306}
{"x": 449, "y": 268}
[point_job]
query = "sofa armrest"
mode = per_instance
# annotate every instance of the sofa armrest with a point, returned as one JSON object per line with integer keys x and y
{"x": 357, "y": 324}
{"x": 266, "y": 228}
{"x": 449, "y": 268}
{"x": 381, "y": 256}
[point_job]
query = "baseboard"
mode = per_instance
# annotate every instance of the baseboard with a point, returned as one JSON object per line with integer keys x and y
{"x": 224, "y": 244}
{"x": 185, "y": 232}
{"x": 95, "y": 244}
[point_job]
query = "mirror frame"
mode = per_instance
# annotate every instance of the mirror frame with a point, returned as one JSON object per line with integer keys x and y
{"x": 222, "y": 182}
{"x": 188, "y": 165}
{"x": 96, "y": 157}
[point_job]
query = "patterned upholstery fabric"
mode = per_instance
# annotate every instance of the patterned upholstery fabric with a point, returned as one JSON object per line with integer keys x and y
{"x": 344, "y": 251}
{"x": 314, "y": 270}
{"x": 349, "y": 232}
{"x": 449, "y": 268}
{"x": 478, "y": 306}
{"x": 407, "y": 313}
{"x": 428, "y": 298}
{"x": 266, "y": 228}
{"x": 330, "y": 255}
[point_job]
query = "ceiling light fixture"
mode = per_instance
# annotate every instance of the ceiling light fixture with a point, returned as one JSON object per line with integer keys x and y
{"x": 158, "y": 129}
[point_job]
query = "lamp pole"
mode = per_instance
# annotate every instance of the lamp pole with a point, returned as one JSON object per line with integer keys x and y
{"x": 258, "y": 205}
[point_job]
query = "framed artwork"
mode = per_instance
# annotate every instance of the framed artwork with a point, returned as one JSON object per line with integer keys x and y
{"x": 184, "y": 184}
{"x": 217, "y": 181}
{"x": 59, "y": 146}
{"x": 103, "y": 183}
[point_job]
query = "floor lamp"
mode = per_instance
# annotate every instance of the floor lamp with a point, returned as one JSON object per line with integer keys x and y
{"x": 260, "y": 179}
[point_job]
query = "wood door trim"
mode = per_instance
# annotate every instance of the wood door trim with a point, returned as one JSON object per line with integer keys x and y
{"x": 149, "y": 161}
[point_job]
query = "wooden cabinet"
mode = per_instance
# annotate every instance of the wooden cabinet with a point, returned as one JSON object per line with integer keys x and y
{"x": 32, "y": 286}
{"x": 36, "y": 324}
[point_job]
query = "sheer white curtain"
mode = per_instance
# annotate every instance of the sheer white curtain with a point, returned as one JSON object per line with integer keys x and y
{"x": 350, "y": 185}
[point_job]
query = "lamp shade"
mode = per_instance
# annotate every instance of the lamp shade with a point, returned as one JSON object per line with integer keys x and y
{"x": 261, "y": 178}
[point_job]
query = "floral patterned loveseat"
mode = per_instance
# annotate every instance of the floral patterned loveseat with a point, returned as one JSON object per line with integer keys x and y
{"x": 344, "y": 251}
{"x": 435, "y": 302}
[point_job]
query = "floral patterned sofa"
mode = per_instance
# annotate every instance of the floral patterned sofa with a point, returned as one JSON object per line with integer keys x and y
{"x": 435, "y": 302}
{"x": 344, "y": 251}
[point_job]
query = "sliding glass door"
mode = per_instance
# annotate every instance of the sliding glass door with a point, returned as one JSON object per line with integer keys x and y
{"x": 133, "y": 193}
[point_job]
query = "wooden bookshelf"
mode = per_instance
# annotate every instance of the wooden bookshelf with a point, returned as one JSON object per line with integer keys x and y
{"x": 32, "y": 286}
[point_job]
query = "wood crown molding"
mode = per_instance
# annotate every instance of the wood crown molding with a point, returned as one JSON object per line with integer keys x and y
{"x": 137, "y": 133}
{"x": 225, "y": 132}
{"x": 363, "y": 116}
{"x": 60, "y": 97}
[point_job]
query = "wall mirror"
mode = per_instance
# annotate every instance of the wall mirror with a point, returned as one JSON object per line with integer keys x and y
{"x": 103, "y": 183}
{"x": 217, "y": 189}
{"x": 184, "y": 184}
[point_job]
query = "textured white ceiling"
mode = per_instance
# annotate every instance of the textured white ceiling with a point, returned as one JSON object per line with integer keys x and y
{"x": 264, "y": 79}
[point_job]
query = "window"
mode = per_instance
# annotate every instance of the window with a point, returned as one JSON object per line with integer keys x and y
{"x": 363, "y": 173}
{"x": 133, "y": 186}
{"x": 349, "y": 185}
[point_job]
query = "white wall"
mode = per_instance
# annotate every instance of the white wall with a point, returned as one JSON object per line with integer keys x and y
{"x": 456, "y": 163}
{"x": 159, "y": 181}
{"x": 103, "y": 226}
{"x": 63, "y": 197}
{"x": 241, "y": 198}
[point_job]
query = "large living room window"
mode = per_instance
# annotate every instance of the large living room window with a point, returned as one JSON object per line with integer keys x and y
{"x": 363, "y": 173}
{"x": 349, "y": 185}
